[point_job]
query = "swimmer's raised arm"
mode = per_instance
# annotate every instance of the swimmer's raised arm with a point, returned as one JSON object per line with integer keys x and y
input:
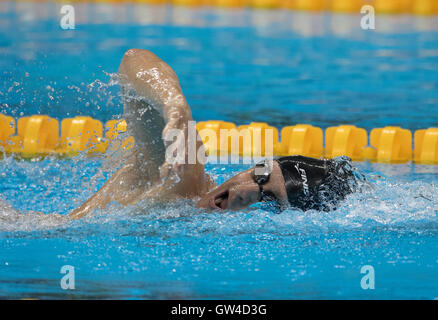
{"x": 153, "y": 106}
{"x": 123, "y": 187}
{"x": 154, "y": 81}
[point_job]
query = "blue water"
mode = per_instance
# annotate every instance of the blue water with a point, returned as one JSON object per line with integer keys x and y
{"x": 274, "y": 66}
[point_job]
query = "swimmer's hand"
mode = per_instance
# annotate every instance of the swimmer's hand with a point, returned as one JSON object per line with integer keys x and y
{"x": 176, "y": 128}
{"x": 188, "y": 178}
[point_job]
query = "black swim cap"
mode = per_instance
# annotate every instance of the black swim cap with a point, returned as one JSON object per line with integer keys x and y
{"x": 317, "y": 184}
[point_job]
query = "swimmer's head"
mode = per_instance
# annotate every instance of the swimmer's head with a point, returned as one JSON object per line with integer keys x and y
{"x": 245, "y": 189}
{"x": 298, "y": 182}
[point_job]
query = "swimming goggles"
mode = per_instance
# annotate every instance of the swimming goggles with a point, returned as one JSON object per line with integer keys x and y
{"x": 261, "y": 175}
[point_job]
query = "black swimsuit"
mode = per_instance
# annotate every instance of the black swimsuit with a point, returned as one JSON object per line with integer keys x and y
{"x": 317, "y": 184}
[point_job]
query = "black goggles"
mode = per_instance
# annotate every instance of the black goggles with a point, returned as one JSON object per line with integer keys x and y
{"x": 261, "y": 175}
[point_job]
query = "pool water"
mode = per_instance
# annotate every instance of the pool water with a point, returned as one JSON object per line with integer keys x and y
{"x": 278, "y": 67}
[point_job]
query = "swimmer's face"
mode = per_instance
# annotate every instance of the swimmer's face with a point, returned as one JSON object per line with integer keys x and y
{"x": 241, "y": 191}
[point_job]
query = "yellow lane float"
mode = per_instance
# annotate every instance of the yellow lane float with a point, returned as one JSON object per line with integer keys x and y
{"x": 36, "y": 135}
{"x": 346, "y": 140}
{"x": 258, "y": 139}
{"x": 7, "y": 129}
{"x": 426, "y": 146}
{"x": 80, "y": 134}
{"x": 228, "y": 3}
{"x": 393, "y": 144}
{"x": 217, "y": 136}
{"x": 113, "y": 128}
{"x": 264, "y": 3}
{"x": 302, "y": 139}
{"x": 310, "y": 5}
{"x": 425, "y": 7}
{"x": 420, "y": 7}
{"x": 189, "y": 2}
{"x": 39, "y": 135}
{"x": 347, "y": 6}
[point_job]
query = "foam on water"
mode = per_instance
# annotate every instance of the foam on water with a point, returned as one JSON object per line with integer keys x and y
{"x": 172, "y": 250}
{"x": 385, "y": 202}
{"x": 296, "y": 68}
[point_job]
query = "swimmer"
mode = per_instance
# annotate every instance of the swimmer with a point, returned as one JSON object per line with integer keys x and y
{"x": 154, "y": 105}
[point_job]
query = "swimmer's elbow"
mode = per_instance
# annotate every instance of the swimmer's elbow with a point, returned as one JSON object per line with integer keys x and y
{"x": 136, "y": 52}
{"x": 133, "y": 57}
